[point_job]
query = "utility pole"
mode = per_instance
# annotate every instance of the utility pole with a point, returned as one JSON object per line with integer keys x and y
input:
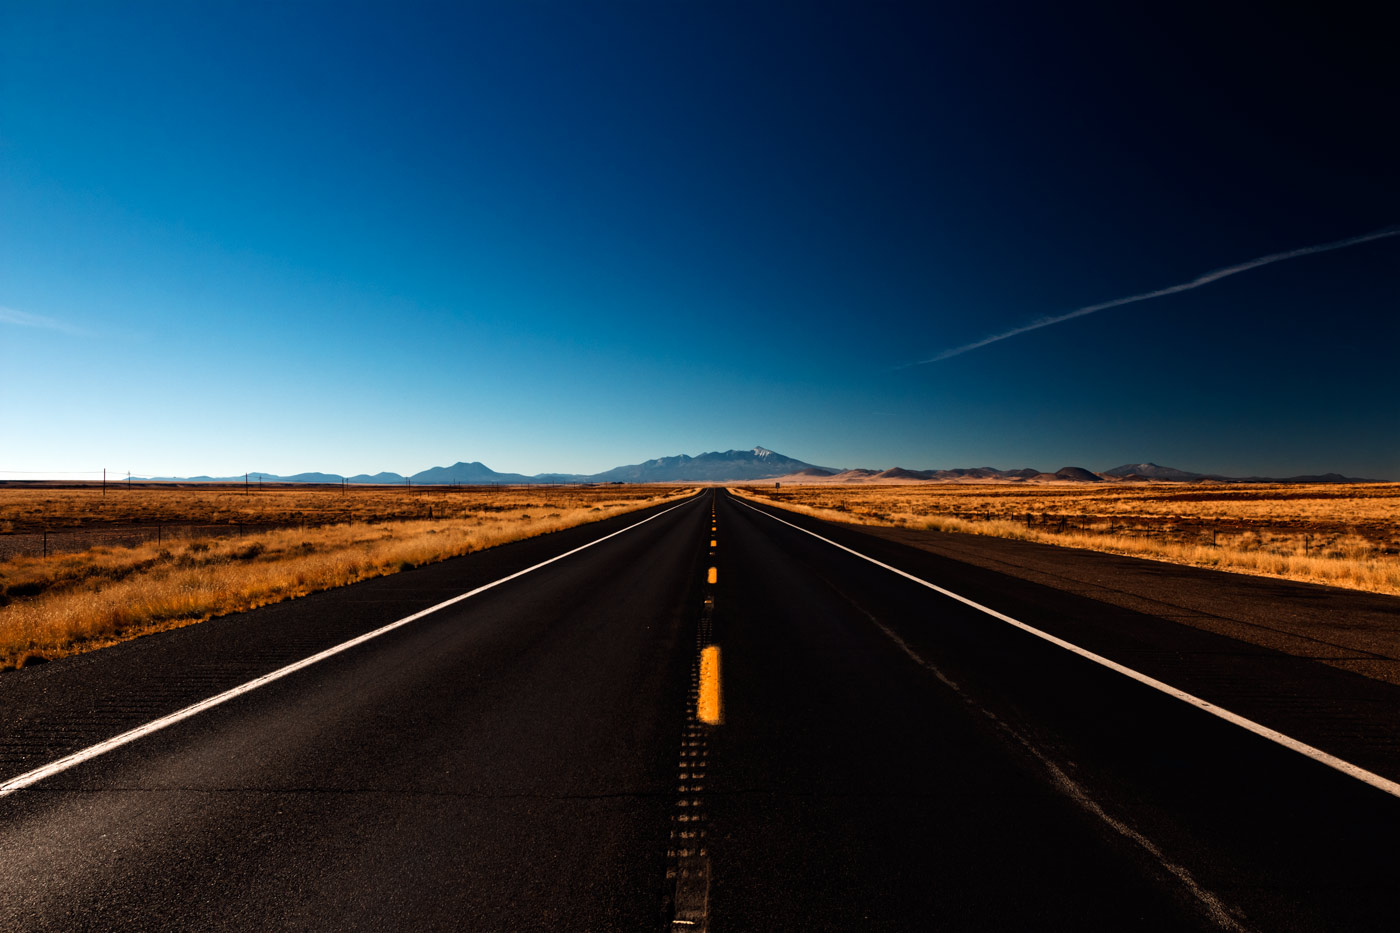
{"x": 104, "y": 481}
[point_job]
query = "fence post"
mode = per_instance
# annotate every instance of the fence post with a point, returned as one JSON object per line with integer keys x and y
{"x": 46, "y": 542}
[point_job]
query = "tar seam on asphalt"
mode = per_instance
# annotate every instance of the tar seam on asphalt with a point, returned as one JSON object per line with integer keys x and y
{"x": 1220, "y": 913}
{"x": 687, "y": 853}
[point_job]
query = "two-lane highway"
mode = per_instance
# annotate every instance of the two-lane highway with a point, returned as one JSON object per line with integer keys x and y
{"x": 707, "y": 717}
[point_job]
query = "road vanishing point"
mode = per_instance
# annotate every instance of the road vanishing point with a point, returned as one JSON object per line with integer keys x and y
{"x": 706, "y": 715}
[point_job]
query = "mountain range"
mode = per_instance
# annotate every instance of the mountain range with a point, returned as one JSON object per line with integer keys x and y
{"x": 760, "y": 463}
{"x": 1128, "y": 473}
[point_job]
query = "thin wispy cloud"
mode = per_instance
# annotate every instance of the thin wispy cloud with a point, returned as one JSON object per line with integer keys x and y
{"x": 1197, "y": 282}
{"x": 25, "y": 319}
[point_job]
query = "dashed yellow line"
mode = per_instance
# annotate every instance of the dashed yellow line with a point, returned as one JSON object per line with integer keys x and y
{"x": 712, "y": 543}
{"x": 713, "y": 576}
{"x": 708, "y": 708}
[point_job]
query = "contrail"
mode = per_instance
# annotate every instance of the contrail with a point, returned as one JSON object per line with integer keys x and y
{"x": 25, "y": 319}
{"x": 1197, "y": 282}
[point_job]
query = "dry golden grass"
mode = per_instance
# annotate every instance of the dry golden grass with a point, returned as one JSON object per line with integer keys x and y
{"x": 30, "y": 507}
{"x": 1341, "y": 535}
{"x": 68, "y": 603}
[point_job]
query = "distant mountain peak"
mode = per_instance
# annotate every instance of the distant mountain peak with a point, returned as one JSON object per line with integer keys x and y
{"x": 1077, "y": 475}
{"x": 1152, "y": 471}
{"x": 711, "y": 466}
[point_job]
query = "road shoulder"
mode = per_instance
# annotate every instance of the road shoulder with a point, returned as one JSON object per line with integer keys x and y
{"x": 1346, "y": 629}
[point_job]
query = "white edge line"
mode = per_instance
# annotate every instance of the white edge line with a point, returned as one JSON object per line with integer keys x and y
{"x": 1288, "y": 742}
{"x": 76, "y": 758}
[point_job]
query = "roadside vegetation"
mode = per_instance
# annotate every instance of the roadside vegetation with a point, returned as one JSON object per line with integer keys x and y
{"x": 1340, "y": 535}
{"x": 66, "y": 603}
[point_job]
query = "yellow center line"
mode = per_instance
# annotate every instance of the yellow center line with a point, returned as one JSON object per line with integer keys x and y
{"x": 713, "y": 576}
{"x": 712, "y": 543}
{"x": 708, "y": 707}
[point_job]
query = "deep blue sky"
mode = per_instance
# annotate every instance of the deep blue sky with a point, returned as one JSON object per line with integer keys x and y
{"x": 564, "y": 236}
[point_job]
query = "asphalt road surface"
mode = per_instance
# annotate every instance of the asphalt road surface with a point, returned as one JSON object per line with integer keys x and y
{"x": 530, "y": 758}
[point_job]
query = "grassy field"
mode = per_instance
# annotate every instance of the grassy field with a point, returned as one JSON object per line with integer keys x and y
{"x": 29, "y": 507}
{"x": 294, "y": 541}
{"x": 1343, "y": 535}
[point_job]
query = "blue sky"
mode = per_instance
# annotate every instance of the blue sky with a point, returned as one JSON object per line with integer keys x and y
{"x": 563, "y": 236}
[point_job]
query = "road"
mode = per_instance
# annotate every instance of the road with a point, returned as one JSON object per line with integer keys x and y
{"x": 529, "y": 758}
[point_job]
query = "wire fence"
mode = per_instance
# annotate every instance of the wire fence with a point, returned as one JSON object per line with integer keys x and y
{"x": 71, "y": 540}
{"x": 37, "y": 535}
{"x": 74, "y": 540}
